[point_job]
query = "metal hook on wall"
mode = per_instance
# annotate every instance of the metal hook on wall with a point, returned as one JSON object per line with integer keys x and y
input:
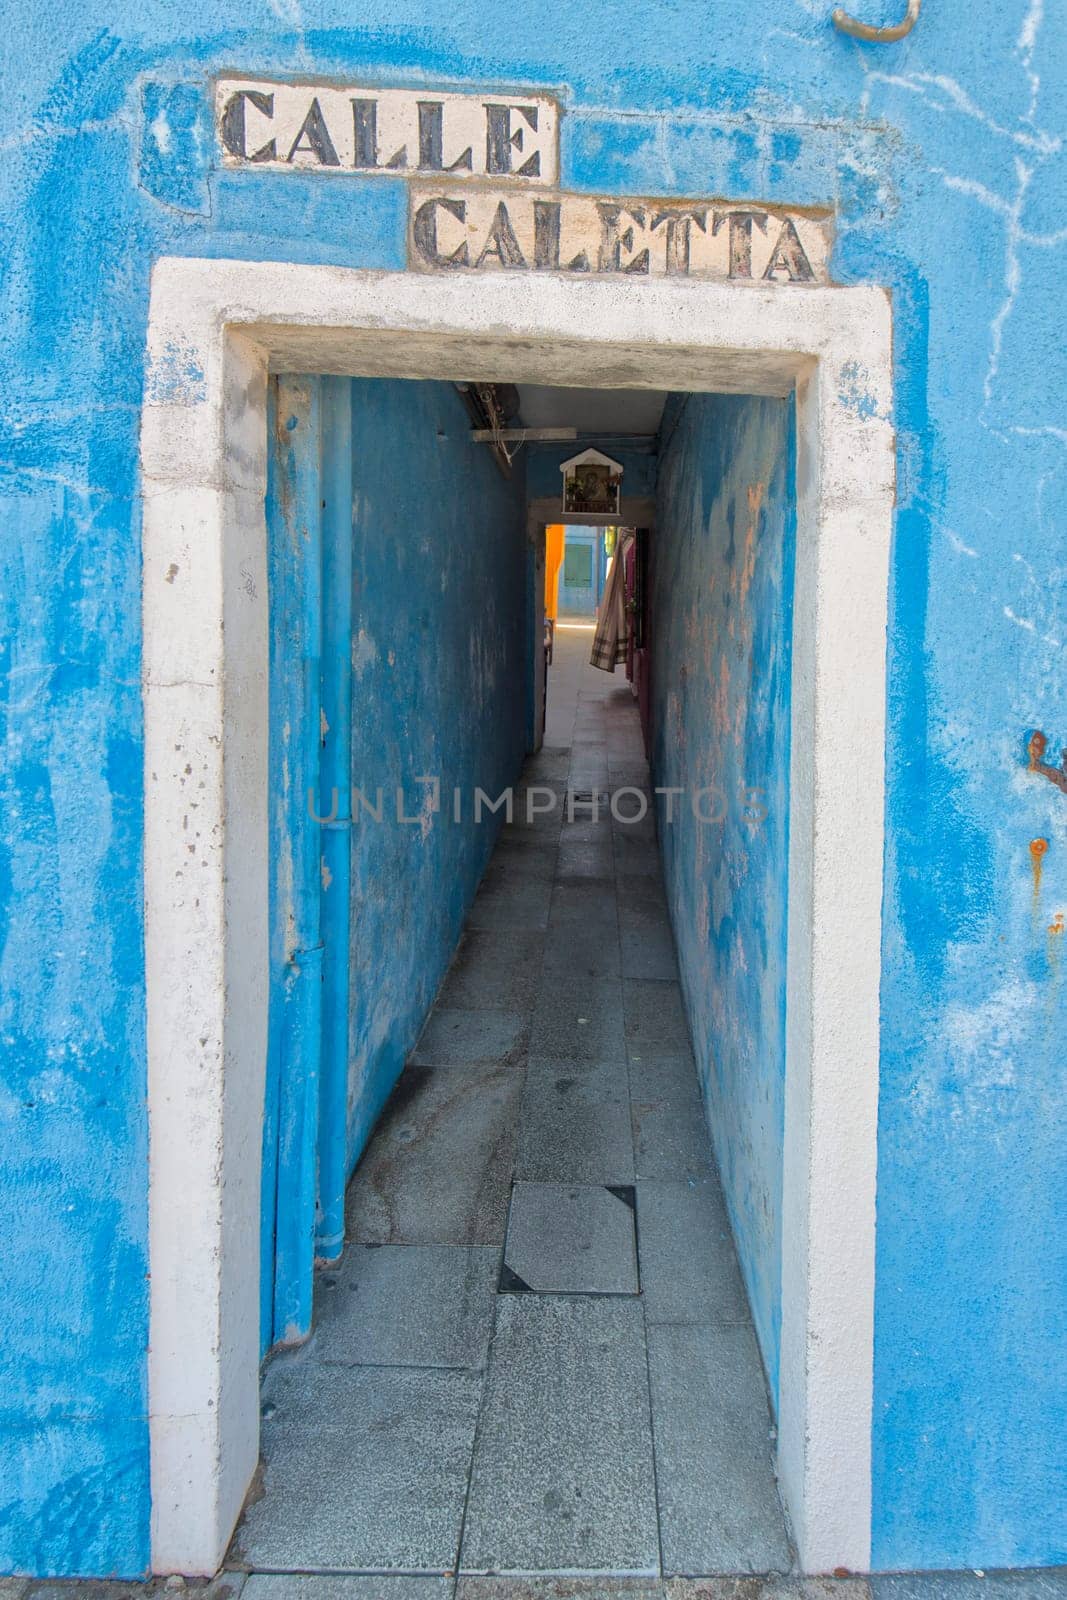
{"x": 862, "y": 30}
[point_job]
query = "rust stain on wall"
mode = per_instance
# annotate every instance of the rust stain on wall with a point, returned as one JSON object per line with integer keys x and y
{"x": 1038, "y": 850}
{"x": 1036, "y": 746}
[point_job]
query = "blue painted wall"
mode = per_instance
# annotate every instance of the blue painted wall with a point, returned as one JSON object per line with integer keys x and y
{"x": 722, "y": 625}
{"x": 439, "y": 658}
{"x": 946, "y": 160}
{"x": 398, "y": 561}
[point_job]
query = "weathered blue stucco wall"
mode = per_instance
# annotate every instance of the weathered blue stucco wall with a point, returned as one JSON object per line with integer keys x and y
{"x": 946, "y": 160}
{"x": 722, "y": 625}
{"x": 439, "y": 690}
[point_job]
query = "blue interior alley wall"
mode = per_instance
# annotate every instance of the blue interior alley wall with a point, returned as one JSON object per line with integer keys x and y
{"x": 439, "y": 661}
{"x": 945, "y": 159}
{"x": 722, "y": 624}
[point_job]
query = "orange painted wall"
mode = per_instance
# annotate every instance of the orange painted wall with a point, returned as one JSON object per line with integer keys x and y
{"x": 554, "y": 541}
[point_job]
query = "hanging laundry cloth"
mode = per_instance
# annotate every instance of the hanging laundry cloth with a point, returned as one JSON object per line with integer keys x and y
{"x": 629, "y": 571}
{"x": 611, "y": 639}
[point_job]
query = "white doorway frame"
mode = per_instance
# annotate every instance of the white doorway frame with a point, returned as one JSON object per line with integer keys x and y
{"x": 215, "y": 330}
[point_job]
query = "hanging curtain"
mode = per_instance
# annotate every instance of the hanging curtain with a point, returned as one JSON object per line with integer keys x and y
{"x": 613, "y": 625}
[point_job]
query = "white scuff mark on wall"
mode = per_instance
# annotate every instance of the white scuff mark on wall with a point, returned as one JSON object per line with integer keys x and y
{"x": 663, "y": 152}
{"x": 942, "y": 93}
{"x": 1012, "y": 278}
{"x": 161, "y": 134}
{"x": 1046, "y": 432}
{"x": 291, "y": 12}
{"x": 1042, "y": 600}
{"x": 957, "y": 543}
{"x": 983, "y": 1043}
{"x": 946, "y": 95}
{"x": 1026, "y": 45}
{"x": 1011, "y": 212}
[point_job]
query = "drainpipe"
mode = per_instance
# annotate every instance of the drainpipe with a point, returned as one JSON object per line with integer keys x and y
{"x": 335, "y": 808}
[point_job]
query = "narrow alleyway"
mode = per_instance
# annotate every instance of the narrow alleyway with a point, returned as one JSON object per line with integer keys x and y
{"x": 535, "y": 1354}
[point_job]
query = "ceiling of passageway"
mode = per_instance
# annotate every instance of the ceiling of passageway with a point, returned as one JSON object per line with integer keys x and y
{"x": 605, "y": 411}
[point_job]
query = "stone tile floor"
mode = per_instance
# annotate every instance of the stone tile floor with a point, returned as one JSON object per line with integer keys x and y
{"x": 487, "y": 1389}
{"x": 535, "y": 1356}
{"x": 1035, "y": 1585}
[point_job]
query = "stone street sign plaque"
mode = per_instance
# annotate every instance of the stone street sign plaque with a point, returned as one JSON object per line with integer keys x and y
{"x": 395, "y": 132}
{"x": 483, "y": 173}
{"x": 489, "y": 229}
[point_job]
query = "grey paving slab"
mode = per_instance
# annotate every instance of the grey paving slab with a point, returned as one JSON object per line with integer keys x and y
{"x": 505, "y": 902}
{"x": 642, "y": 893}
{"x": 655, "y": 1017}
{"x": 518, "y": 863}
{"x": 559, "y": 1589}
{"x": 364, "y": 1468}
{"x": 493, "y": 971}
{"x": 574, "y": 1124}
{"x": 589, "y": 769}
{"x": 586, "y": 829}
{"x": 574, "y": 951}
{"x": 227, "y": 1586}
{"x": 579, "y": 1020}
{"x": 551, "y": 761}
{"x": 766, "y": 1588}
{"x": 563, "y": 1471}
{"x": 631, "y": 824}
{"x": 627, "y": 765}
{"x": 670, "y": 1132}
{"x": 452, "y": 1036}
{"x": 647, "y": 952}
{"x": 538, "y": 830}
{"x": 689, "y": 1270}
{"x": 571, "y": 1239}
{"x": 532, "y": 797}
{"x": 631, "y": 806}
{"x": 718, "y": 1502}
{"x": 586, "y": 801}
{"x": 585, "y": 858}
{"x": 588, "y": 903}
{"x": 288, "y": 1586}
{"x": 636, "y": 853}
{"x": 645, "y": 916}
{"x": 408, "y": 1305}
{"x": 663, "y": 1075}
{"x": 1035, "y": 1583}
{"x": 438, "y": 1169}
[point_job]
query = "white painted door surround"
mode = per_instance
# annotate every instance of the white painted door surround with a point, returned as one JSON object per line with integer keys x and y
{"x": 215, "y": 329}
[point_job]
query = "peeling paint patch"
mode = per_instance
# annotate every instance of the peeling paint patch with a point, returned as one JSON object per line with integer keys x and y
{"x": 855, "y": 395}
{"x": 175, "y": 377}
